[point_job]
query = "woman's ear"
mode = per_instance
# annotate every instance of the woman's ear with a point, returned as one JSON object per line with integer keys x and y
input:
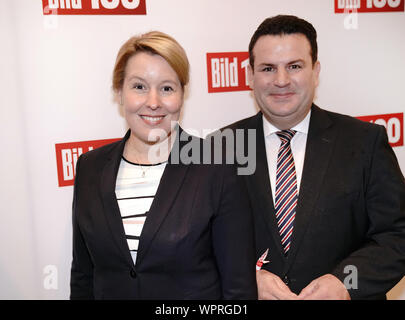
{"x": 120, "y": 97}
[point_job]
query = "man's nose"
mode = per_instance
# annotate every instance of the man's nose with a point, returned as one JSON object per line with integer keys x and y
{"x": 282, "y": 78}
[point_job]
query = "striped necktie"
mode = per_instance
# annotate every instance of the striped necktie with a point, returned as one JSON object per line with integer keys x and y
{"x": 286, "y": 189}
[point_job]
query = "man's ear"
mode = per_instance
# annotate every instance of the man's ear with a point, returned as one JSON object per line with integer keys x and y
{"x": 317, "y": 71}
{"x": 250, "y": 76}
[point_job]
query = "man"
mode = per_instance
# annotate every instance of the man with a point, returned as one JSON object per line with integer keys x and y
{"x": 327, "y": 194}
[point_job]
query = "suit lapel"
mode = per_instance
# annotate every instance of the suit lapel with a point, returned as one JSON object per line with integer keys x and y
{"x": 111, "y": 208}
{"x": 259, "y": 184}
{"x": 170, "y": 184}
{"x": 320, "y": 141}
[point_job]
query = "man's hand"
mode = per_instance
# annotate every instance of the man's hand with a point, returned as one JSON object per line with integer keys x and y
{"x": 327, "y": 287}
{"x": 271, "y": 287}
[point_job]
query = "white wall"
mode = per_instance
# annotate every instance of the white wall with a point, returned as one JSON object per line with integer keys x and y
{"x": 55, "y": 84}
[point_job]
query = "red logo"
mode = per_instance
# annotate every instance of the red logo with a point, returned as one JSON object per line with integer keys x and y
{"x": 344, "y": 6}
{"x": 97, "y": 7}
{"x": 227, "y": 71}
{"x": 394, "y": 123}
{"x": 67, "y": 155}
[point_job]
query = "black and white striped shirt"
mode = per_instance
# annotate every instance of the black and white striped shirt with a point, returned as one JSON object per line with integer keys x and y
{"x": 135, "y": 190}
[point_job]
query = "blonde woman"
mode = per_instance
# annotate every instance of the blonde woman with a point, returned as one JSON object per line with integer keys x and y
{"x": 146, "y": 226}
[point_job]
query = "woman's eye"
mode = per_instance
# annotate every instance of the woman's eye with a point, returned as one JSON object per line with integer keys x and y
{"x": 167, "y": 89}
{"x": 138, "y": 86}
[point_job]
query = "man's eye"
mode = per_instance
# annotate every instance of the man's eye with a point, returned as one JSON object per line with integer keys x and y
{"x": 294, "y": 67}
{"x": 268, "y": 69}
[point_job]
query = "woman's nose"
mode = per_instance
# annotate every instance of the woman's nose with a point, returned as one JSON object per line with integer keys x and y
{"x": 153, "y": 99}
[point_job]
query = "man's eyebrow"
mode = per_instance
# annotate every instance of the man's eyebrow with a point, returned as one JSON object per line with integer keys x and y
{"x": 266, "y": 64}
{"x": 296, "y": 61}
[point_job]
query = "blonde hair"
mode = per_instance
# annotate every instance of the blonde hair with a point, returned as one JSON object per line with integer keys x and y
{"x": 155, "y": 42}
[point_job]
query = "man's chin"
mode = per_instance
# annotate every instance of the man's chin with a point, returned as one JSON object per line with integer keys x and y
{"x": 282, "y": 112}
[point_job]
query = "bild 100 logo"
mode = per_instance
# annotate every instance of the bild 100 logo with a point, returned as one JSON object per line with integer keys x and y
{"x": 94, "y": 7}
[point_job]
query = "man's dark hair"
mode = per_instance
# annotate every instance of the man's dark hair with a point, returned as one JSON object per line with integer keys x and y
{"x": 284, "y": 25}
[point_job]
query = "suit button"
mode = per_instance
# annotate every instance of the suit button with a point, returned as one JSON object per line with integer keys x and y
{"x": 132, "y": 273}
{"x": 286, "y": 280}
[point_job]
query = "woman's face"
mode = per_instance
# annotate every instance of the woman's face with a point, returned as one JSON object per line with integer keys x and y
{"x": 152, "y": 97}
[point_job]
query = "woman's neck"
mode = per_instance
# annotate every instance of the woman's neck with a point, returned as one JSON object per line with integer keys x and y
{"x": 141, "y": 152}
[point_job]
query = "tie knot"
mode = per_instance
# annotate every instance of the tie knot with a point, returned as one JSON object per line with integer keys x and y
{"x": 286, "y": 135}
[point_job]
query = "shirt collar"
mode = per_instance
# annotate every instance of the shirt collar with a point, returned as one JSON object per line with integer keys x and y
{"x": 302, "y": 127}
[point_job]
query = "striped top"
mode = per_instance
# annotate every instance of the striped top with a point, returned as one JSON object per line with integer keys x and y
{"x": 135, "y": 190}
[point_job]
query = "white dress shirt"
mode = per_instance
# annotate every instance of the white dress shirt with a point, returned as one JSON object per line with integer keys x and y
{"x": 298, "y": 145}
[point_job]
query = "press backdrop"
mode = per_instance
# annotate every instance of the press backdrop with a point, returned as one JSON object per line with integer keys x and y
{"x": 56, "y": 99}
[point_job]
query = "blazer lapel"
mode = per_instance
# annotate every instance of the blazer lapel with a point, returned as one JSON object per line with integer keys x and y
{"x": 170, "y": 184}
{"x": 320, "y": 141}
{"x": 259, "y": 184}
{"x": 111, "y": 208}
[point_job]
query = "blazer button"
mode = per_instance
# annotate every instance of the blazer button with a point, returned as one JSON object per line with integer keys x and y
{"x": 286, "y": 280}
{"x": 132, "y": 273}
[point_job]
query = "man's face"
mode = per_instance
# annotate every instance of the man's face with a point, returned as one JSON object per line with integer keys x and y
{"x": 283, "y": 79}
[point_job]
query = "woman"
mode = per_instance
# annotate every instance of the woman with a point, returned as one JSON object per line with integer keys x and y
{"x": 146, "y": 226}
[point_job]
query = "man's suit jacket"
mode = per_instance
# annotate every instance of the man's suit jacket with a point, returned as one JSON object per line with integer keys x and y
{"x": 351, "y": 208}
{"x": 197, "y": 241}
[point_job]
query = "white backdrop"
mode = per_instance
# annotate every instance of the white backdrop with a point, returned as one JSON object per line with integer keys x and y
{"x": 55, "y": 81}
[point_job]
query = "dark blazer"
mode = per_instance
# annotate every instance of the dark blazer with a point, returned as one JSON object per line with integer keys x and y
{"x": 351, "y": 207}
{"x": 197, "y": 241}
